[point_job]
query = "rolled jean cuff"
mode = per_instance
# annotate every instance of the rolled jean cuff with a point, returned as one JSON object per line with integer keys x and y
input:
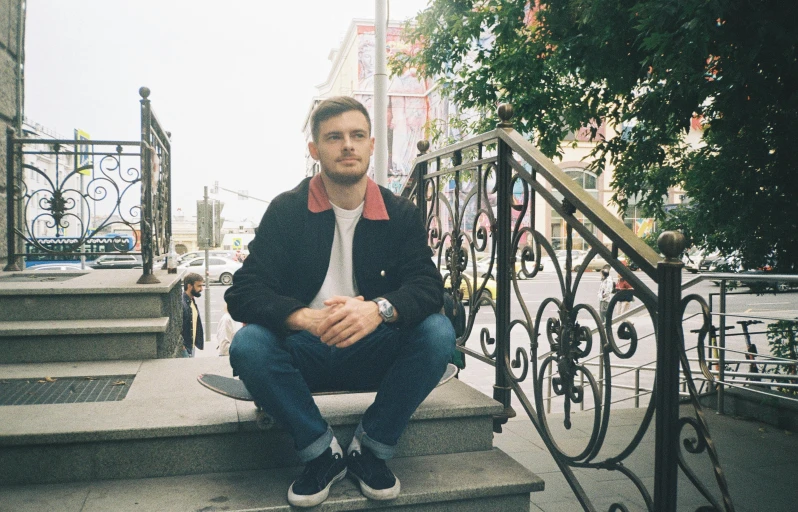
{"x": 380, "y": 450}
{"x": 317, "y": 447}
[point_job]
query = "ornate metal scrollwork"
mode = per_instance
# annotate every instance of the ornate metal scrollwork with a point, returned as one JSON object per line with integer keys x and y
{"x": 564, "y": 342}
{"x": 105, "y": 201}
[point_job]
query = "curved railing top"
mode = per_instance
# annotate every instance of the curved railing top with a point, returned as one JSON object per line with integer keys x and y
{"x": 632, "y": 245}
{"x": 593, "y": 210}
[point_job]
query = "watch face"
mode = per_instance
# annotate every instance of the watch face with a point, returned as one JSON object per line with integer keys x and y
{"x": 386, "y": 309}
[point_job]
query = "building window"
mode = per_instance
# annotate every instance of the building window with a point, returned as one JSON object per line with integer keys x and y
{"x": 588, "y": 181}
{"x": 635, "y": 219}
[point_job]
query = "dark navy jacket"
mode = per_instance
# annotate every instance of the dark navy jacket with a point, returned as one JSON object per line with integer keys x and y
{"x": 290, "y": 254}
{"x": 199, "y": 342}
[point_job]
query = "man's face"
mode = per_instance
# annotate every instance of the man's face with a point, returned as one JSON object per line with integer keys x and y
{"x": 195, "y": 289}
{"x": 343, "y": 147}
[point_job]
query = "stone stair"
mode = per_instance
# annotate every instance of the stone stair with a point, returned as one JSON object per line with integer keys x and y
{"x": 170, "y": 444}
{"x": 87, "y": 316}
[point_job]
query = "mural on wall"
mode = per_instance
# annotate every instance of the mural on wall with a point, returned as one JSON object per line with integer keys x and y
{"x": 408, "y": 108}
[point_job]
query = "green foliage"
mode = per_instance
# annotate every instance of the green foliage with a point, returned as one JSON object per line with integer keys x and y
{"x": 645, "y": 68}
{"x": 783, "y": 341}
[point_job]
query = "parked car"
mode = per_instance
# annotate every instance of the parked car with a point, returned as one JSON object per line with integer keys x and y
{"x": 716, "y": 262}
{"x": 490, "y": 285}
{"x": 692, "y": 259}
{"x": 183, "y": 258}
{"x": 58, "y": 267}
{"x": 595, "y": 264}
{"x": 219, "y": 269}
{"x": 762, "y": 286}
{"x": 626, "y": 261}
{"x": 484, "y": 262}
{"x": 116, "y": 261}
{"x": 577, "y": 256}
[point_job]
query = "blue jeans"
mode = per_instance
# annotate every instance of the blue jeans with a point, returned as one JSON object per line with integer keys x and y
{"x": 404, "y": 366}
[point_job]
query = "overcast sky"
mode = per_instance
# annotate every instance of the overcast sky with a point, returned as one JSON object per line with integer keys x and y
{"x": 232, "y": 80}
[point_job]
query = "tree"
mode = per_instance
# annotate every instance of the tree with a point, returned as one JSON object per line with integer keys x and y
{"x": 647, "y": 68}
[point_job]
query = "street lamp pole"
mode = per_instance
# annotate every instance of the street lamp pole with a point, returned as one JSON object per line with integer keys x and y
{"x": 380, "y": 93}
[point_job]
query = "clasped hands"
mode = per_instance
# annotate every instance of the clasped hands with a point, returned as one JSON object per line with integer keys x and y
{"x": 343, "y": 322}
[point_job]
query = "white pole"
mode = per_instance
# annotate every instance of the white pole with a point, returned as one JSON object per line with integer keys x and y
{"x": 380, "y": 94}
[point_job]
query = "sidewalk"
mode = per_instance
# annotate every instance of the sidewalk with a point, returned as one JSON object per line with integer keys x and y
{"x": 760, "y": 462}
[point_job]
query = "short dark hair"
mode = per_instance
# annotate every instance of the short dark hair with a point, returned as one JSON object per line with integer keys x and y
{"x": 190, "y": 279}
{"x": 332, "y": 107}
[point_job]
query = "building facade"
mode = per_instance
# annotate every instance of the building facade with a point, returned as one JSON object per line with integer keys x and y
{"x": 12, "y": 87}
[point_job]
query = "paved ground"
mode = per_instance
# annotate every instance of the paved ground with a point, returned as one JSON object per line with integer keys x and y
{"x": 760, "y": 462}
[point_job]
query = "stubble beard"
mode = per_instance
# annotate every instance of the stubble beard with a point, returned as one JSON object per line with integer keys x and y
{"x": 345, "y": 179}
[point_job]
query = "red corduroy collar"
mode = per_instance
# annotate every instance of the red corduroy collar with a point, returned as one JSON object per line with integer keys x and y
{"x": 373, "y": 209}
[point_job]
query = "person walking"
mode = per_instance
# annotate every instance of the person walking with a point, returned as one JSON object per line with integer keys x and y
{"x": 625, "y": 298}
{"x": 193, "y": 335}
{"x": 225, "y": 331}
{"x": 605, "y": 291}
{"x": 339, "y": 292}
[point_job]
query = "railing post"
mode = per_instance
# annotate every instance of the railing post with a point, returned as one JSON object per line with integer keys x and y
{"x": 147, "y": 276}
{"x": 11, "y": 208}
{"x": 420, "y": 171}
{"x": 637, "y": 387}
{"x": 666, "y": 438}
{"x": 722, "y": 351}
{"x": 501, "y": 388}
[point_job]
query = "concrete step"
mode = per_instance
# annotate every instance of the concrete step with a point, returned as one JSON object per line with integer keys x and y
{"x": 47, "y": 341}
{"x": 96, "y": 295}
{"x": 168, "y": 424}
{"x": 26, "y": 297}
{"x": 461, "y": 482}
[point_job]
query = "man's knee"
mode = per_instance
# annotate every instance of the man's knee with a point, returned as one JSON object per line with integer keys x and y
{"x": 438, "y": 336}
{"x": 252, "y": 342}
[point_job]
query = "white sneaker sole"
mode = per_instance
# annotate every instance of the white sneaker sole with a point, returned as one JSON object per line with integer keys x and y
{"x": 301, "y": 500}
{"x": 381, "y": 494}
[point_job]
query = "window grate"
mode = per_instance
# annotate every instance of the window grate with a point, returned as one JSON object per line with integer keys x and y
{"x": 64, "y": 390}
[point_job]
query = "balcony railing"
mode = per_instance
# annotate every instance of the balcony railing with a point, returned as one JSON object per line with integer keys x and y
{"x": 115, "y": 198}
{"x": 483, "y": 198}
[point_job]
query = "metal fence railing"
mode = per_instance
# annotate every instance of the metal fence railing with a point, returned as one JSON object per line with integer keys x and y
{"x": 484, "y": 200}
{"x": 78, "y": 199}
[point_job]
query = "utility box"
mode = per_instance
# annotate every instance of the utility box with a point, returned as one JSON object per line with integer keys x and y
{"x": 209, "y": 223}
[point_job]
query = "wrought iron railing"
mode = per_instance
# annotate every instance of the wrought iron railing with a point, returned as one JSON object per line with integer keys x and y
{"x": 114, "y": 192}
{"x": 484, "y": 197}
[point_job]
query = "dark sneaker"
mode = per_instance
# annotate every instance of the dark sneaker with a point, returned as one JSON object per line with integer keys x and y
{"x": 376, "y": 480}
{"x": 313, "y": 485}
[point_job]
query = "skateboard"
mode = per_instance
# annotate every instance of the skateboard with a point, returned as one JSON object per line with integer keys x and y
{"x": 233, "y": 388}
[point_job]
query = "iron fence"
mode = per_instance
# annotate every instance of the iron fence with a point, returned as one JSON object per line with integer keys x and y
{"x": 117, "y": 192}
{"x": 481, "y": 199}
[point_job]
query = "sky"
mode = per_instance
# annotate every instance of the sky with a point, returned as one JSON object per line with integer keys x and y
{"x": 231, "y": 80}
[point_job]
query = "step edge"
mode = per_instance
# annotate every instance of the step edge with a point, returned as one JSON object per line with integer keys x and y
{"x": 96, "y": 326}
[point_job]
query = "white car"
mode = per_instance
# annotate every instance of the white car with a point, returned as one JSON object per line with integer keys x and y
{"x": 189, "y": 256}
{"x": 576, "y": 258}
{"x": 597, "y": 263}
{"x": 59, "y": 267}
{"x": 219, "y": 269}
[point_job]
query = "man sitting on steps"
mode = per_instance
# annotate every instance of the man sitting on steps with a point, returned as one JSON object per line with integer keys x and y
{"x": 339, "y": 292}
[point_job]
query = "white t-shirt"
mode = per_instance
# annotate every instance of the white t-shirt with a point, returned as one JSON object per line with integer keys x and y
{"x": 340, "y": 279}
{"x": 225, "y": 331}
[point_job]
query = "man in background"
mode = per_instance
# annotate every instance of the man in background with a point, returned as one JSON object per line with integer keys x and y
{"x": 192, "y": 323}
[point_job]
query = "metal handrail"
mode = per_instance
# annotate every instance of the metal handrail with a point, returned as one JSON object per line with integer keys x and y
{"x": 147, "y": 217}
{"x": 462, "y": 221}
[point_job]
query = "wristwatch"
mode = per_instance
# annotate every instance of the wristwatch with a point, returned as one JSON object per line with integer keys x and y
{"x": 385, "y": 308}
